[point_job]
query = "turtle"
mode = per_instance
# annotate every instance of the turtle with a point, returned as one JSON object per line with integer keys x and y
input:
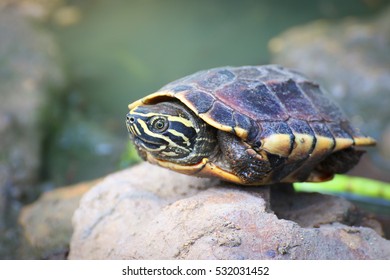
{"x": 248, "y": 125}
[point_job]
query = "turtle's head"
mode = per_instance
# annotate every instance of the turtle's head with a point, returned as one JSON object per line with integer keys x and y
{"x": 168, "y": 131}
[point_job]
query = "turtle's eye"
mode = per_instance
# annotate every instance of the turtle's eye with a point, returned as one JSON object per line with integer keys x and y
{"x": 159, "y": 124}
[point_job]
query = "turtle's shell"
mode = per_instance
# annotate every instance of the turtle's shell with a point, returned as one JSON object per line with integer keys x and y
{"x": 265, "y": 105}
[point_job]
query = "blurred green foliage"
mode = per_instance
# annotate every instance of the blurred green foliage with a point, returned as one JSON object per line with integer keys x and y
{"x": 349, "y": 184}
{"x": 129, "y": 156}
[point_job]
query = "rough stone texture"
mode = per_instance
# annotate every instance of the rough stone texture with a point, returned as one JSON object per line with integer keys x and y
{"x": 308, "y": 210}
{"x": 147, "y": 212}
{"x": 29, "y": 69}
{"x": 351, "y": 60}
{"x": 46, "y": 223}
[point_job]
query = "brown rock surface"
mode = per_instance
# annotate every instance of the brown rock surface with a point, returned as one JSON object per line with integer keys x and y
{"x": 47, "y": 222}
{"x": 147, "y": 212}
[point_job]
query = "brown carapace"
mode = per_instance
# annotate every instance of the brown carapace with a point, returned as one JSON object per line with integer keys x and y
{"x": 249, "y": 125}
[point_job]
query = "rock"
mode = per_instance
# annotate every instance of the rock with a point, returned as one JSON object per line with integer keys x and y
{"x": 30, "y": 69}
{"x": 47, "y": 224}
{"x": 147, "y": 212}
{"x": 308, "y": 210}
{"x": 350, "y": 59}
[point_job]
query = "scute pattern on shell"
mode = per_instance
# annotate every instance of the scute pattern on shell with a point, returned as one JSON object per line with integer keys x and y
{"x": 243, "y": 96}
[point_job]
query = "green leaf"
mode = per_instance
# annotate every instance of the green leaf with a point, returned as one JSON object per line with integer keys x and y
{"x": 348, "y": 184}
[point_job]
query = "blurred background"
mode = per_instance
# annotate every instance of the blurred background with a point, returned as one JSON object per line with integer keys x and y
{"x": 69, "y": 68}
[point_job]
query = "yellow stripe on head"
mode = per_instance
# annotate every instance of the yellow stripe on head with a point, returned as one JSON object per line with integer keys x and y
{"x": 155, "y": 135}
{"x": 184, "y": 121}
{"x": 179, "y": 134}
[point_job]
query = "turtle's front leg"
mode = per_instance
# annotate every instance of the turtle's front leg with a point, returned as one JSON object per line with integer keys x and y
{"x": 244, "y": 161}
